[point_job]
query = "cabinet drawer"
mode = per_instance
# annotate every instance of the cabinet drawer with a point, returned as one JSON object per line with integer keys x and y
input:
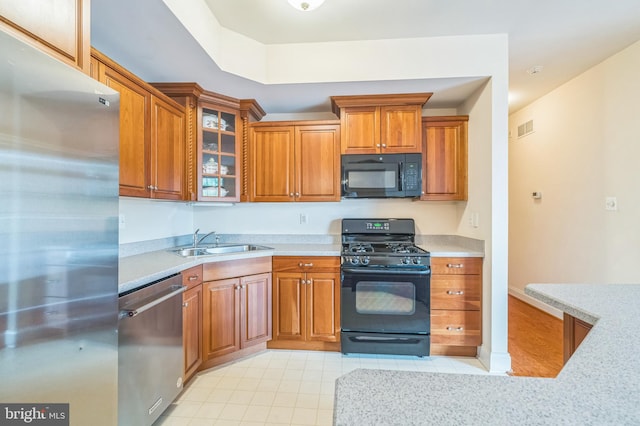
{"x": 306, "y": 263}
{"x": 458, "y": 328}
{"x": 192, "y": 277}
{"x": 456, "y": 292}
{"x": 456, "y": 265}
{"x": 236, "y": 268}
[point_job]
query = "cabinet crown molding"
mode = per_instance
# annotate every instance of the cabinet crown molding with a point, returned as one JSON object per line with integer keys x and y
{"x": 338, "y": 102}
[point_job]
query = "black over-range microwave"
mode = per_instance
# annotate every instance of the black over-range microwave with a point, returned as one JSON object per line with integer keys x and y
{"x": 381, "y": 175}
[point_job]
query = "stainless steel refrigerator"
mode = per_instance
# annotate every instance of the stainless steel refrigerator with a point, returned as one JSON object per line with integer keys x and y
{"x": 58, "y": 236}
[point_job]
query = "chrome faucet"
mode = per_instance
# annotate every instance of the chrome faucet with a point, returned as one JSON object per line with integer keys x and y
{"x": 197, "y": 240}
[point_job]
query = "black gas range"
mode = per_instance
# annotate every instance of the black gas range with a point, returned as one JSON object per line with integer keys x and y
{"x": 385, "y": 288}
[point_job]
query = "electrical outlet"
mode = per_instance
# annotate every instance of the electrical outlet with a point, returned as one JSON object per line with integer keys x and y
{"x": 611, "y": 203}
{"x": 304, "y": 219}
{"x": 122, "y": 223}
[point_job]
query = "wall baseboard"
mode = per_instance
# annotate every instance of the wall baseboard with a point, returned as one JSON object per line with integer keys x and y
{"x": 515, "y": 292}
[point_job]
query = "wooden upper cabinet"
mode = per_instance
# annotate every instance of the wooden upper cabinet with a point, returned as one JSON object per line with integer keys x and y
{"x": 272, "y": 163}
{"x": 58, "y": 27}
{"x": 167, "y": 150}
{"x": 375, "y": 124}
{"x": 152, "y": 134}
{"x": 135, "y": 135}
{"x": 444, "y": 158}
{"x": 216, "y": 139}
{"x": 317, "y": 151}
{"x": 295, "y": 162}
{"x": 360, "y": 130}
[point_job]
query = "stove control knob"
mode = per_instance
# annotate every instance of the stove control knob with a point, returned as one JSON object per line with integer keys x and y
{"x": 354, "y": 260}
{"x": 406, "y": 260}
{"x": 364, "y": 260}
{"x": 417, "y": 261}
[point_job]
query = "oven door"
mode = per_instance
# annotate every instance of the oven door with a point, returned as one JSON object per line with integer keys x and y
{"x": 385, "y": 301}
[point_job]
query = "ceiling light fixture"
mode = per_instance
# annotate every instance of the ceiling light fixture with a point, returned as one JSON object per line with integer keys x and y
{"x": 536, "y": 69}
{"x": 305, "y": 5}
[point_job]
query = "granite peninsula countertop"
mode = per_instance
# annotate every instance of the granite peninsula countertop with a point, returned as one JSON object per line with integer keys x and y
{"x": 599, "y": 385}
{"x": 141, "y": 263}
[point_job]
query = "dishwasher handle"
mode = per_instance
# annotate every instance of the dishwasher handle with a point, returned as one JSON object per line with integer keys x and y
{"x": 172, "y": 291}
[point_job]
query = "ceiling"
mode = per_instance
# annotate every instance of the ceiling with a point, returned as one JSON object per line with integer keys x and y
{"x": 565, "y": 37}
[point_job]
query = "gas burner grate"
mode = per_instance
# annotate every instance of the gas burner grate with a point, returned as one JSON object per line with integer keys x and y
{"x": 360, "y": 248}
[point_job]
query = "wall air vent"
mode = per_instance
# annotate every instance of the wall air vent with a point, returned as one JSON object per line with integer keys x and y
{"x": 525, "y": 129}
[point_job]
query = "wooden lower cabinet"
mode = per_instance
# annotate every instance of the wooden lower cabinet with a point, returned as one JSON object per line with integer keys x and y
{"x": 456, "y": 306}
{"x": 574, "y": 332}
{"x": 306, "y": 303}
{"x": 236, "y": 310}
{"x": 192, "y": 321}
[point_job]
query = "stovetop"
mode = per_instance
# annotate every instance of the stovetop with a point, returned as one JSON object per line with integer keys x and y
{"x": 388, "y": 243}
{"x": 382, "y": 248}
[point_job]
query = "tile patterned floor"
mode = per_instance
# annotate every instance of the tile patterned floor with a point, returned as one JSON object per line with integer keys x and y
{"x": 280, "y": 387}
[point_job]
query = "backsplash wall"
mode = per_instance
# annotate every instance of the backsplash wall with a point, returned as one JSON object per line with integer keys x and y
{"x": 323, "y": 218}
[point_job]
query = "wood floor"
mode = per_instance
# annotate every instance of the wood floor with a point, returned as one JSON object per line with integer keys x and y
{"x": 535, "y": 341}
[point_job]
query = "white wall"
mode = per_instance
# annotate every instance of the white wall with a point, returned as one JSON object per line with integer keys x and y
{"x": 149, "y": 220}
{"x": 585, "y": 147}
{"x": 323, "y": 218}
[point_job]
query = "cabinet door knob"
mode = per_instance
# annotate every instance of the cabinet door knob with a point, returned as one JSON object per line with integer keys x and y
{"x": 455, "y": 293}
{"x": 185, "y": 304}
{"x": 291, "y": 194}
{"x": 303, "y": 282}
{"x": 455, "y": 265}
{"x": 297, "y": 194}
{"x": 377, "y": 145}
{"x": 384, "y": 145}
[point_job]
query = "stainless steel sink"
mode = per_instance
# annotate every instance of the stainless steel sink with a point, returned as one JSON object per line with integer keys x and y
{"x": 216, "y": 249}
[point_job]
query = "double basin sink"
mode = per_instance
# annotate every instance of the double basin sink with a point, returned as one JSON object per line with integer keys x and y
{"x": 217, "y": 249}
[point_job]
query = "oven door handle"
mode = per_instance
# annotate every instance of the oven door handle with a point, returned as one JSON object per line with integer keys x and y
{"x": 386, "y": 271}
{"x": 173, "y": 291}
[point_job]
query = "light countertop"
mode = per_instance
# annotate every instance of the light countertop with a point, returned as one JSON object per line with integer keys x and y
{"x": 600, "y": 384}
{"x": 139, "y": 269}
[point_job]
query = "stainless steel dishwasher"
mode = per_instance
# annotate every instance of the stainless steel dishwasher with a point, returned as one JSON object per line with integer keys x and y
{"x": 150, "y": 355}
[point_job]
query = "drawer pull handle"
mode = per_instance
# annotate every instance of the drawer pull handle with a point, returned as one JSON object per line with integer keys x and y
{"x": 305, "y": 265}
{"x": 455, "y": 328}
{"x": 455, "y": 293}
{"x": 455, "y": 265}
{"x": 193, "y": 277}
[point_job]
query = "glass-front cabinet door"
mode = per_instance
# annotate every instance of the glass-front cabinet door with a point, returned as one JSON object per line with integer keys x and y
{"x": 220, "y": 165}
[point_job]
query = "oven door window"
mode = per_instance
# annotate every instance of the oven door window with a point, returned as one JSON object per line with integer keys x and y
{"x": 374, "y": 302}
{"x": 384, "y": 298}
